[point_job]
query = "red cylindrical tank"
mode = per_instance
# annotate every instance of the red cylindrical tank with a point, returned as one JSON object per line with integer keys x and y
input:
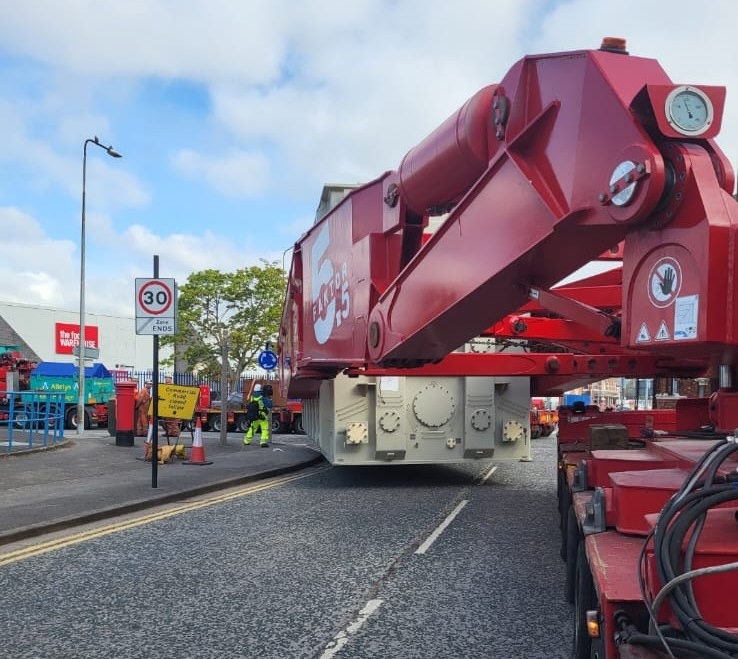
{"x": 125, "y": 396}
{"x": 440, "y": 169}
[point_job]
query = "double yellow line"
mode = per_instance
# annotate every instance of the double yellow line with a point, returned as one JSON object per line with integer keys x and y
{"x": 99, "y": 532}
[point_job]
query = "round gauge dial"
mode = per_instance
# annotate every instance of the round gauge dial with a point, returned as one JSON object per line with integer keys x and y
{"x": 689, "y": 110}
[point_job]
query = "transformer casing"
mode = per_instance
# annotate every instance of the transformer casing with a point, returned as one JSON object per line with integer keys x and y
{"x": 368, "y": 420}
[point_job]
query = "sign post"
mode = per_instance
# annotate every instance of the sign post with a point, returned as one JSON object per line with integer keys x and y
{"x": 156, "y": 314}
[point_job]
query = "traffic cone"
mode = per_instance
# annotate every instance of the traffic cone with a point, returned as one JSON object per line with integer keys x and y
{"x": 197, "y": 454}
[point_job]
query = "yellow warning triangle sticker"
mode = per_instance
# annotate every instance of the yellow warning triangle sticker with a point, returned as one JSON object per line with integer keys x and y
{"x": 643, "y": 335}
{"x": 663, "y": 333}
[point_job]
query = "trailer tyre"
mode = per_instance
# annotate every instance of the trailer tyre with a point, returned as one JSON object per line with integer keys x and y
{"x": 242, "y": 424}
{"x": 585, "y": 598}
{"x": 20, "y": 419}
{"x": 214, "y": 423}
{"x": 71, "y": 420}
{"x": 571, "y": 549}
{"x": 564, "y": 507}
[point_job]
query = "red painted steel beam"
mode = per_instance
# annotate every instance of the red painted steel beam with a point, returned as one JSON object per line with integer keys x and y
{"x": 527, "y": 364}
{"x": 603, "y": 324}
{"x": 566, "y": 333}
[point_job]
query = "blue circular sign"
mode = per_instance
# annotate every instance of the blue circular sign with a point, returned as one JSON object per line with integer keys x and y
{"x": 268, "y": 360}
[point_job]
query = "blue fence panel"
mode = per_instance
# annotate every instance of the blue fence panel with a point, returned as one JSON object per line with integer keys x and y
{"x": 32, "y": 420}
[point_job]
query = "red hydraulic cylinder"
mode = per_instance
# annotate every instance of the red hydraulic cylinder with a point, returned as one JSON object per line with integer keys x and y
{"x": 443, "y": 167}
{"x": 125, "y": 394}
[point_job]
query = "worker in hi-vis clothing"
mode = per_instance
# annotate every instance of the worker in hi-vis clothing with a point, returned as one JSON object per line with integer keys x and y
{"x": 261, "y": 416}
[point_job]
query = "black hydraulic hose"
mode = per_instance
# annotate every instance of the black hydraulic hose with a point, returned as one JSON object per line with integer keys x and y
{"x": 673, "y": 539}
{"x": 694, "y": 498}
{"x": 682, "y": 500}
{"x": 711, "y": 461}
{"x": 686, "y": 508}
{"x": 710, "y": 478}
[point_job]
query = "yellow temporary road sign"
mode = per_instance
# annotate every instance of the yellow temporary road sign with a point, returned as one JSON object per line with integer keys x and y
{"x": 177, "y": 401}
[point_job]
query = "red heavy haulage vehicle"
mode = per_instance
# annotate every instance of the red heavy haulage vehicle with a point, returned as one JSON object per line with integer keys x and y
{"x": 15, "y": 374}
{"x": 572, "y": 155}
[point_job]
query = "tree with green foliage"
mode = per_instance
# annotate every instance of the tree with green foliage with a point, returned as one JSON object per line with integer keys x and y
{"x": 231, "y": 313}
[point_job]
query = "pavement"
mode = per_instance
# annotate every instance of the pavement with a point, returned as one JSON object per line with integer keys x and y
{"x": 88, "y": 478}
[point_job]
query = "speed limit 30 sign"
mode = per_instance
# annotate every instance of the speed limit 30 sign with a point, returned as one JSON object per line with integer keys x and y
{"x": 156, "y": 306}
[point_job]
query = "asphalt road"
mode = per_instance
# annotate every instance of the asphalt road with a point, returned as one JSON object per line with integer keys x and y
{"x": 350, "y": 563}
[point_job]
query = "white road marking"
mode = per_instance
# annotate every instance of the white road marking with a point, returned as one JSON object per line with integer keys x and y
{"x": 433, "y": 536}
{"x": 489, "y": 473}
{"x": 343, "y": 637}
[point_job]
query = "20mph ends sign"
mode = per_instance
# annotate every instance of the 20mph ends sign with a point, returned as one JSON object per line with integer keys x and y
{"x": 156, "y": 306}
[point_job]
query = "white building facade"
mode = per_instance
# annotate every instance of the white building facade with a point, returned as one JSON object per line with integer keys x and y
{"x": 53, "y": 333}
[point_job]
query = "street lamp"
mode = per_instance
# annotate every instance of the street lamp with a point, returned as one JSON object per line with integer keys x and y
{"x": 81, "y": 399}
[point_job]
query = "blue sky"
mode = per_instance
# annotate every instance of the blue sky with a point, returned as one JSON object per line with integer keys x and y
{"x": 232, "y": 114}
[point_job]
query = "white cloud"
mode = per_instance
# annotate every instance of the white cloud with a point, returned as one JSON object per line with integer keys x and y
{"x": 197, "y": 40}
{"x": 236, "y": 174}
{"x": 49, "y": 168}
{"x": 35, "y": 268}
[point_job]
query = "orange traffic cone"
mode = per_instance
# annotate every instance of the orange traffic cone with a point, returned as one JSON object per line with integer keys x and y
{"x": 197, "y": 454}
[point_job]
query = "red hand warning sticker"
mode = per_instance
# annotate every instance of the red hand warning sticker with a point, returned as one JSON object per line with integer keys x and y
{"x": 664, "y": 282}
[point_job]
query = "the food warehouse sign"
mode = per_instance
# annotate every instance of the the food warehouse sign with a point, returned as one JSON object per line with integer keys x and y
{"x": 66, "y": 336}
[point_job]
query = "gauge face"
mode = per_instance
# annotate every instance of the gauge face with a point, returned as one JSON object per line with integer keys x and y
{"x": 689, "y": 110}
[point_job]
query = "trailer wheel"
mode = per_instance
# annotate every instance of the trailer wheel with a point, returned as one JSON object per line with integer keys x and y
{"x": 571, "y": 548}
{"x": 242, "y": 424}
{"x": 277, "y": 428}
{"x": 585, "y": 598}
{"x": 297, "y": 426}
{"x": 214, "y": 423}
{"x": 71, "y": 420}
{"x": 564, "y": 506}
{"x": 20, "y": 419}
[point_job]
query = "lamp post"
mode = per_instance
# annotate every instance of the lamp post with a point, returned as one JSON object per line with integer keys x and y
{"x": 81, "y": 399}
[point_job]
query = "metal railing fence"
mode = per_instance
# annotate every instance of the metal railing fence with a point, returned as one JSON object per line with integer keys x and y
{"x": 31, "y": 420}
{"x": 191, "y": 379}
